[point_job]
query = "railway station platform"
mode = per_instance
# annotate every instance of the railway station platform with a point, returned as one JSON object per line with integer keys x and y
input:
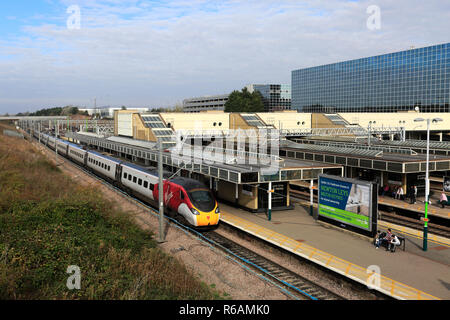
{"x": 411, "y": 274}
{"x": 434, "y": 209}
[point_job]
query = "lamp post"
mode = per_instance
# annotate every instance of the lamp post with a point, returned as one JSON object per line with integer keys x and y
{"x": 427, "y": 182}
{"x": 369, "y": 129}
{"x": 161, "y": 192}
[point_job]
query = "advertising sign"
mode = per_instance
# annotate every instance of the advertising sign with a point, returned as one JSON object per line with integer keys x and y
{"x": 447, "y": 184}
{"x": 348, "y": 202}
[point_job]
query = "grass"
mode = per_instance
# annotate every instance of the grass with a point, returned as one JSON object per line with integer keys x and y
{"x": 47, "y": 224}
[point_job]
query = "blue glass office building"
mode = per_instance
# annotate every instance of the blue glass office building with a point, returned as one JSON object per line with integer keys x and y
{"x": 392, "y": 82}
{"x": 276, "y": 97}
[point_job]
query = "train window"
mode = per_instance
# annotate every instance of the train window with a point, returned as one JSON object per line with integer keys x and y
{"x": 140, "y": 182}
{"x": 129, "y": 177}
{"x": 151, "y": 186}
{"x": 181, "y": 195}
{"x": 145, "y": 184}
{"x": 125, "y": 175}
{"x": 109, "y": 168}
{"x": 134, "y": 179}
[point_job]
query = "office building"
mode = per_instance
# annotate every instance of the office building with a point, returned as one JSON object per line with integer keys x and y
{"x": 400, "y": 81}
{"x": 276, "y": 97}
{"x": 205, "y": 103}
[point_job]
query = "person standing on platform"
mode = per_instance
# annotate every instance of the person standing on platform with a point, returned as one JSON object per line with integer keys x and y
{"x": 400, "y": 193}
{"x": 443, "y": 199}
{"x": 413, "y": 195}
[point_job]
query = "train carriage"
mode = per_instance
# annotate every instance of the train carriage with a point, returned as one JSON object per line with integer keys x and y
{"x": 76, "y": 153}
{"x": 102, "y": 164}
{"x": 186, "y": 197}
{"x": 62, "y": 146}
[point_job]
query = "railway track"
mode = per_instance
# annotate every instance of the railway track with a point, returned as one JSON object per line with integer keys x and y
{"x": 389, "y": 217}
{"x": 298, "y": 286}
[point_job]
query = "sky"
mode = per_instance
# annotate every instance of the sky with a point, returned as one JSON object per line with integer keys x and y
{"x": 55, "y": 53}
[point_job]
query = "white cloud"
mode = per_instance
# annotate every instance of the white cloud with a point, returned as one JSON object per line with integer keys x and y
{"x": 134, "y": 53}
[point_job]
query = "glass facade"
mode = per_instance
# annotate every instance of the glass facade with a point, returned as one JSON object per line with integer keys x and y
{"x": 386, "y": 83}
{"x": 276, "y": 97}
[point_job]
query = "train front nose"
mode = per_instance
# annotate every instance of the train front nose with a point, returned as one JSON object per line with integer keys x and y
{"x": 210, "y": 218}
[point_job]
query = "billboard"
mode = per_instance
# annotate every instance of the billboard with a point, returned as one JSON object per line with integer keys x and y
{"x": 348, "y": 203}
{"x": 447, "y": 184}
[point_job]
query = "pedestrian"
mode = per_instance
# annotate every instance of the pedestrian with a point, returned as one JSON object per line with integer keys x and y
{"x": 377, "y": 239}
{"x": 385, "y": 190}
{"x": 387, "y": 239}
{"x": 413, "y": 194}
{"x": 399, "y": 194}
{"x": 395, "y": 241}
{"x": 394, "y": 192}
{"x": 443, "y": 199}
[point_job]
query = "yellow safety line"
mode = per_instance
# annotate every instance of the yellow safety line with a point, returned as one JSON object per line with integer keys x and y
{"x": 359, "y": 272}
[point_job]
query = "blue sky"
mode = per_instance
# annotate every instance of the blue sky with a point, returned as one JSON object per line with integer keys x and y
{"x": 156, "y": 53}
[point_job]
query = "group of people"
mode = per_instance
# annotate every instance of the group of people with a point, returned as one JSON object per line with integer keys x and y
{"x": 398, "y": 193}
{"x": 389, "y": 239}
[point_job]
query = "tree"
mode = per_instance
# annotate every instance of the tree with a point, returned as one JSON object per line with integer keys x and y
{"x": 244, "y": 101}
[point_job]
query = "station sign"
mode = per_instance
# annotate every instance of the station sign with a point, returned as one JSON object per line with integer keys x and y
{"x": 348, "y": 203}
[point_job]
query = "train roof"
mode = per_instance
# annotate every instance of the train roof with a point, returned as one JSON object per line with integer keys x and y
{"x": 74, "y": 145}
{"x": 104, "y": 156}
{"x": 188, "y": 183}
{"x": 146, "y": 170}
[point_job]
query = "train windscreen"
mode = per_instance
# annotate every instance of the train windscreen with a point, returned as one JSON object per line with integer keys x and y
{"x": 202, "y": 199}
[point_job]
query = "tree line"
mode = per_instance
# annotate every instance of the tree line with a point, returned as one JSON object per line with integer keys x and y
{"x": 50, "y": 112}
{"x": 244, "y": 101}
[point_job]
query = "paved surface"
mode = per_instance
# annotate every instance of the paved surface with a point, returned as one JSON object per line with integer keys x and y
{"x": 426, "y": 271}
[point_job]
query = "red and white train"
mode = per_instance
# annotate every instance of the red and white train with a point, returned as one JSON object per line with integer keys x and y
{"x": 186, "y": 197}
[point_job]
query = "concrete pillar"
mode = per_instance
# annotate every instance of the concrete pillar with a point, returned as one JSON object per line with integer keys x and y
{"x": 269, "y": 203}
{"x": 404, "y": 184}
{"x": 311, "y": 198}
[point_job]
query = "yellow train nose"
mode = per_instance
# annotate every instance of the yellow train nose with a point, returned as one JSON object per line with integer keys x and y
{"x": 207, "y": 218}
